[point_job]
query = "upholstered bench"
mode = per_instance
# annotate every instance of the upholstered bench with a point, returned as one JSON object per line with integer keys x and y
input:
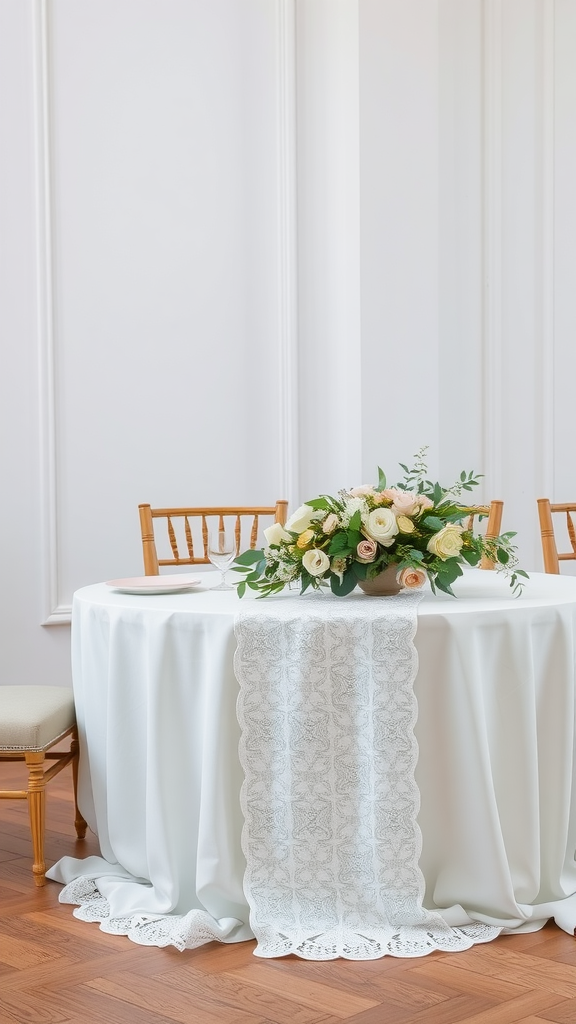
{"x": 32, "y": 720}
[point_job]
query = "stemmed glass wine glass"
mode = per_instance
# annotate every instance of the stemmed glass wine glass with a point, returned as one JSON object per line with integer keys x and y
{"x": 222, "y": 552}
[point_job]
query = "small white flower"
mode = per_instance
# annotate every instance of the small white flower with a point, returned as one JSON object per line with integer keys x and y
{"x": 286, "y": 572}
{"x": 351, "y": 506}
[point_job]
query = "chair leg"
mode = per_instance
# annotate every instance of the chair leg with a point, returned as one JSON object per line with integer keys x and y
{"x": 37, "y": 811}
{"x": 79, "y": 823}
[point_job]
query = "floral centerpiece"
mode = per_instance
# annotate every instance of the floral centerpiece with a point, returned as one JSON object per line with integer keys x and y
{"x": 417, "y": 526}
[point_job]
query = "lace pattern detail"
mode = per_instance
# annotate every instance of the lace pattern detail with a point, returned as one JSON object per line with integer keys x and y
{"x": 185, "y": 931}
{"x": 327, "y": 712}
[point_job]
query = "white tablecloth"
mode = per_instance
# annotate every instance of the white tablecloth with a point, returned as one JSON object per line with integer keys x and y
{"x": 160, "y": 775}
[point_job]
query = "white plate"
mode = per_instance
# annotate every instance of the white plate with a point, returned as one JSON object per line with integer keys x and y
{"x": 154, "y": 584}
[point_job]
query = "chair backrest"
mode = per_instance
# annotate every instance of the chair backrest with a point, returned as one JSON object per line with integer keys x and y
{"x": 494, "y": 513}
{"x": 552, "y": 557}
{"x": 187, "y": 531}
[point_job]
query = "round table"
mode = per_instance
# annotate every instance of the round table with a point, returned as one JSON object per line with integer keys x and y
{"x": 160, "y": 775}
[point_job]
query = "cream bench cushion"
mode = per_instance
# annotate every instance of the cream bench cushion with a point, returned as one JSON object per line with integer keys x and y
{"x": 34, "y": 717}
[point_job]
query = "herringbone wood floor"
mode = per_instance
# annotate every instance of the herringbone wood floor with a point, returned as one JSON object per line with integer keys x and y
{"x": 55, "y": 969}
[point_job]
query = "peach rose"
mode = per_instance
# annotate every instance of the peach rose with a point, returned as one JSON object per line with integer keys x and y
{"x": 425, "y": 502}
{"x": 361, "y": 491}
{"x": 330, "y": 523}
{"x": 366, "y": 551}
{"x": 404, "y": 503}
{"x": 411, "y": 579}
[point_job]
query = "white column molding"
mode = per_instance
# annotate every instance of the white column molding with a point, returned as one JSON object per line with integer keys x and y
{"x": 545, "y": 469}
{"x": 330, "y": 400}
{"x": 492, "y": 243}
{"x": 54, "y": 612}
{"x": 287, "y": 244}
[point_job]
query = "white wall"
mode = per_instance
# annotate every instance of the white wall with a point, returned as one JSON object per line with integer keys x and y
{"x": 251, "y": 249}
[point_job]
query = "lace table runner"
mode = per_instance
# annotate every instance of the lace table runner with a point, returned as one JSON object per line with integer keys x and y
{"x": 327, "y": 712}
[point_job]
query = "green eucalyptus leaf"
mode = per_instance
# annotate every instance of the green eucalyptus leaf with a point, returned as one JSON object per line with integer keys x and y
{"x": 471, "y": 556}
{"x": 432, "y": 523}
{"x": 323, "y": 502}
{"x": 249, "y": 557}
{"x": 444, "y": 587}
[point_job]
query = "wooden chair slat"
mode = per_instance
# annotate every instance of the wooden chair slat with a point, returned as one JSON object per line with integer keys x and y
{"x": 172, "y": 537}
{"x": 551, "y": 556}
{"x": 571, "y": 531}
{"x": 494, "y": 513}
{"x": 189, "y": 538}
{"x": 248, "y": 515}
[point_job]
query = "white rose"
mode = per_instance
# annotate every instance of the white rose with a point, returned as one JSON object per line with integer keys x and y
{"x": 381, "y": 526}
{"x": 275, "y": 533}
{"x": 315, "y": 562}
{"x": 447, "y": 543}
{"x": 300, "y": 519}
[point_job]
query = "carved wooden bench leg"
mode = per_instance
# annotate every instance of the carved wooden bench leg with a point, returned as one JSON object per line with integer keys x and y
{"x": 37, "y": 811}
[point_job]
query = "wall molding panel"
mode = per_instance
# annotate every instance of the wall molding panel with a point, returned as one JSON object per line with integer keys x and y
{"x": 546, "y": 470}
{"x": 287, "y": 254}
{"x": 52, "y": 352}
{"x": 55, "y": 612}
{"x": 492, "y": 243}
{"x": 329, "y": 327}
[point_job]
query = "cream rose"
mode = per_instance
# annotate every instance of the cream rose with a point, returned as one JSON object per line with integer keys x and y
{"x": 315, "y": 561}
{"x": 412, "y": 579}
{"x": 330, "y": 523}
{"x": 447, "y": 543}
{"x": 405, "y": 525}
{"x": 300, "y": 519}
{"x": 366, "y": 551}
{"x": 275, "y": 533}
{"x": 380, "y": 525}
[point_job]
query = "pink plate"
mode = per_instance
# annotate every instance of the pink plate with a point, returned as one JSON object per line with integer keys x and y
{"x": 154, "y": 584}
